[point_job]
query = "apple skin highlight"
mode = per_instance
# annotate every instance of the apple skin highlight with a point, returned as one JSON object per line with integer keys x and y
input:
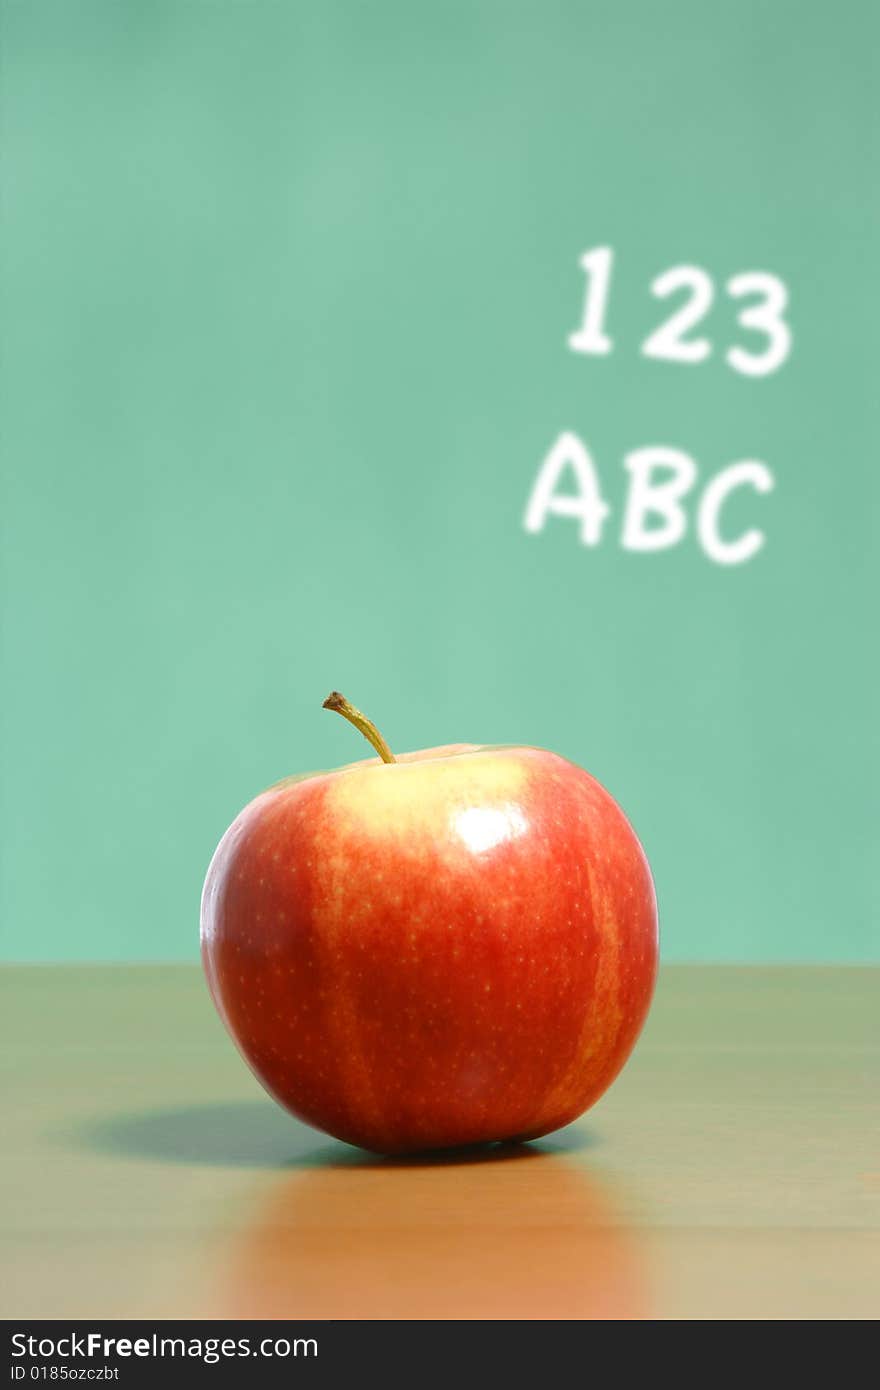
{"x": 456, "y": 947}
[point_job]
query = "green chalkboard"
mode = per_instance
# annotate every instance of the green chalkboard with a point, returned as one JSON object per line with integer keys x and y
{"x": 510, "y": 367}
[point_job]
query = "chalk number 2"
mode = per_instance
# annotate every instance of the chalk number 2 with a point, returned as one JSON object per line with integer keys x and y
{"x": 670, "y": 341}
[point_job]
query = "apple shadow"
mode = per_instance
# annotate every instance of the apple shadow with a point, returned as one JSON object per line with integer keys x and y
{"x": 258, "y": 1134}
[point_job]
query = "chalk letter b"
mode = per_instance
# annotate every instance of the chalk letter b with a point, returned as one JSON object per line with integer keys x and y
{"x": 660, "y": 498}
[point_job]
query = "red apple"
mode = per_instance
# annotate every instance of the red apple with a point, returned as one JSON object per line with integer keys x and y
{"x": 453, "y": 947}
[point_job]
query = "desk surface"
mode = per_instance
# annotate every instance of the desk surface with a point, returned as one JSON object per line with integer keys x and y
{"x": 729, "y": 1172}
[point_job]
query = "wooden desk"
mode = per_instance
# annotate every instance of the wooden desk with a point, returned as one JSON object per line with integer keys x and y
{"x": 728, "y": 1173}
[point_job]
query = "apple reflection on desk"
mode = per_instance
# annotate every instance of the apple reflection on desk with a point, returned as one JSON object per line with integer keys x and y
{"x": 506, "y": 1233}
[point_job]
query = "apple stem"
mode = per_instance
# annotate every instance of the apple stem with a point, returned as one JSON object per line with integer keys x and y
{"x": 338, "y": 702}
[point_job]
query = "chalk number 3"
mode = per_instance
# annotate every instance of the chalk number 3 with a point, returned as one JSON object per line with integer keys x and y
{"x": 765, "y": 316}
{"x": 670, "y": 342}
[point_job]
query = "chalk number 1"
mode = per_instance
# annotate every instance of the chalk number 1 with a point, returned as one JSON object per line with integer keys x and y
{"x": 589, "y": 338}
{"x": 670, "y": 341}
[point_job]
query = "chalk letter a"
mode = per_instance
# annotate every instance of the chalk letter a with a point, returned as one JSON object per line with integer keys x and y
{"x": 586, "y": 505}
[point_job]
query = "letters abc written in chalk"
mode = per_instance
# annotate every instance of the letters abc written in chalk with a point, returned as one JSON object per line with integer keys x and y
{"x": 663, "y": 484}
